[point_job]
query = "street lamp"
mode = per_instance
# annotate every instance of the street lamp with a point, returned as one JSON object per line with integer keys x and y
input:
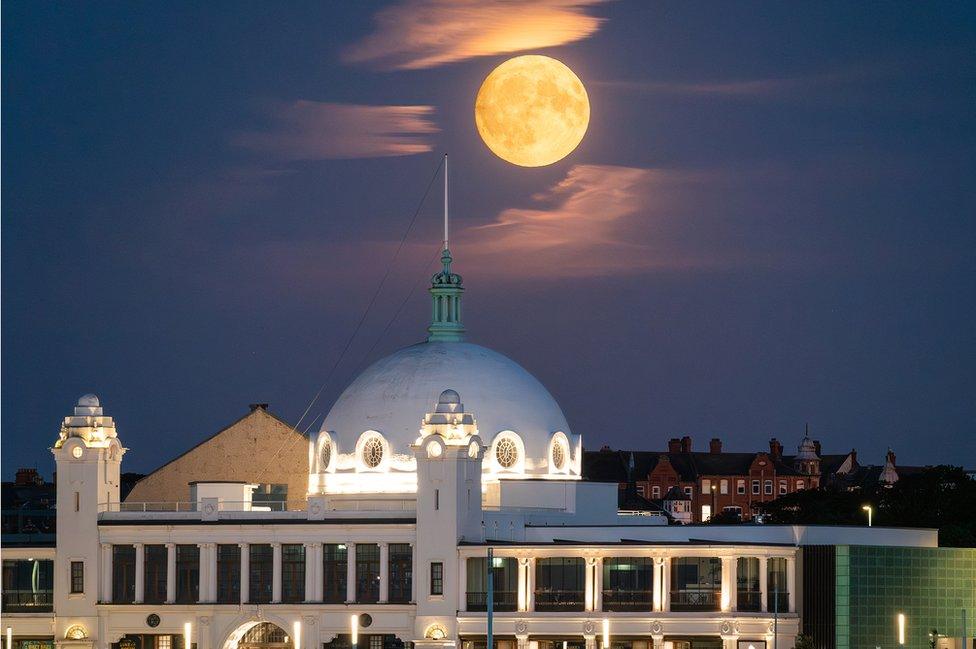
{"x": 606, "y": 633}
{"x": 713, "y": 501}
{"x": 354, "y": 629}
{"x": 297, "y": 634}
{"x": 901, "y": 628}
{"x": 187, "y": 635}
{"x": 869, "y": 509}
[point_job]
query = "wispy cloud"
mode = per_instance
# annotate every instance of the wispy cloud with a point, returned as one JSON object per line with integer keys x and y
{"x": 417, "y": 34}
{"x": 310, "y": 130}
{"x": 598, "y": 220}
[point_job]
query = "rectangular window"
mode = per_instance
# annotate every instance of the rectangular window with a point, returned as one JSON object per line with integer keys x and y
{"x": 77, "y": 576}
{"x": 187, "y": 574}
{"x": 164, "y": 642}
{"x": 367, "y": 573}
{"x": 504, "y": 575}
{"x": 689, "y": 491}
{"x": 28, "y": 586}
{"x": 755, "y": 487}
{"x": 740, "y": 487}
{"x": 437, "y": 499}
{"x": 292, "y": 573}
{"x": 782, "y": 488}
{"x": 228, "y": 573}
{"x": 777, "y": 593}
{"x": 560, "y": 582}
{"x": 436, "y": 578}
{"x": 799, "y": 485}
{"x": 77, "y": 501}
{"x": 768, "y": 487}
{"x": 628, "y": 583}
{"x": 696, "y": 583}
{"x": 123, "y": 574}
{"x": 747, "y": 584}
{"x": 723, "y": 487}
{"x": 401, "y": 573}
{"x": 376, "y": 642}
{"x": 260, "y": 571}
{"x": 154, "y": 574}
{"x": 706, "y": 486}
{"x": 655, "y": 491}
{"x": 334, "y": 558}
{"x": 641, "y": 490}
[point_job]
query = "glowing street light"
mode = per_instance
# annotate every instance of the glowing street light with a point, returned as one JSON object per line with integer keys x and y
{"x": 901, "y": 628}
{"x": 10, "y": 638}
{"x": 869, "y": 509}
{"x": 354, "y": 629}
{"x": 606, "y": 633}
{"x": 187, "y": 635}
{"x": 297, "y": 634}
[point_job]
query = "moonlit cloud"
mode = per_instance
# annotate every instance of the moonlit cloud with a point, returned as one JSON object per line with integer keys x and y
{"x": 419, "y": 34}
{"x": 309, "y": 130}
{"x": 593, "y": 222}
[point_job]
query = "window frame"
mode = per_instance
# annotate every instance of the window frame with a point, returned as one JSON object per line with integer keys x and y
{"x": 75, "y": 577}
{"x": 436, "y": 579}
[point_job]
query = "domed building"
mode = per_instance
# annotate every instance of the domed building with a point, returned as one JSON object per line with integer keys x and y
{"x": 365, "y": 442}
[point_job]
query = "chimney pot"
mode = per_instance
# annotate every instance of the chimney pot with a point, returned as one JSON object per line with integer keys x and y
{"x": 674, "y": 445}
{"x": 258, "y": 406}
{"x": 686, "y": 444}
{"x": 715, "y": 445}
{"x": 775, "y": 448}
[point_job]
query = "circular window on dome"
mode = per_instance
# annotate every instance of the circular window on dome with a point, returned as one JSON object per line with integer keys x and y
{"x": 558, "y": 455}
{"x": 325, "y": 454}
{"x": 373, "y": 452}
{"x": 506, "y": 453}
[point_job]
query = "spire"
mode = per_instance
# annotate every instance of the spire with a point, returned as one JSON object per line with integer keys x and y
{"x": 445, "y": 290}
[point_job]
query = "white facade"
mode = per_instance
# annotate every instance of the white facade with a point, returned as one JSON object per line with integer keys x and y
{"x": 426, "y": 461}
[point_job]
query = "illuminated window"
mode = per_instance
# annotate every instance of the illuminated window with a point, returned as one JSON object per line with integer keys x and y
{"x": 558, "y": 455}
{"x": 373, "y": 452}
{"x": 506, "y": 453}
{"x": 164, "y": 642}
{"x": 325, "y": 455}
{"x": 740, "y": 487}
{"x": 706, "y": 485}
{"x": 655, "y": 492}
{"x": 799, "y": 485}
{"x": 723, "y": 487}
{"x": 689, "y": 491}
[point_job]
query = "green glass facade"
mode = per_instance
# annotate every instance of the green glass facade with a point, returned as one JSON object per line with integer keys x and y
{"x": 931, "y": 586}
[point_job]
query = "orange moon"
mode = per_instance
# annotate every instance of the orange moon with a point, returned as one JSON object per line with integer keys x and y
{"x": 532, "y": 111}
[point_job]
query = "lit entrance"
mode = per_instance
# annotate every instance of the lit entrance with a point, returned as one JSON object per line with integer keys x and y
{"x": 265, "y": 635}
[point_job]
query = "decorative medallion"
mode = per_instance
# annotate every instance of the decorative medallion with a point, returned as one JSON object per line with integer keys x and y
{"x": 656, "y": 628}
{"x": 589, "y": 627}
{"x": 365, "y": 620}
{"x": 726, "y": 628}
{"x": 152, "y": 620}
{"x": 209, "y": 508}
{"x": 506, "y": 453}
{"x": 521, "y": 627}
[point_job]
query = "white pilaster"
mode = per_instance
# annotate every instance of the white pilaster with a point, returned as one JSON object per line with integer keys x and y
{"x": 106, "y": 575}
{"x": 763, "y": 577}
{"x": 275, "y": 573}
{"x": 245, "y": 572}
{"x": 350, "y": 573}
{"x": 463, "y": 584}
{"x": 416, "y": 569}
{"x": 203, "y": 581}
{"x": 319, "y": 582}
{"x": 666, "y": 584}
{"x": 310, "y": 571}
{"x": 140, "y": 573}
{"x": 170, "y": 573}
{"x": 384, "y": 573}
{"x": 726, "y": 603}
{"x": 523, "y": 584}
{"x": 791, "y": 582}
{"x": 656, "y": 600}
{"x": 598, "y": 584}
{"x": 530, "y": 581}
{"x": 211, "y": 563}
{"x": 734, "y": 583}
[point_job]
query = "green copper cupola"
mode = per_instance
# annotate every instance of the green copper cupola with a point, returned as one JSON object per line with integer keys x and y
{"x": 445, "y": 290}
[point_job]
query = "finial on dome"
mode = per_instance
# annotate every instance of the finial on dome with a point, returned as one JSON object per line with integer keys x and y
{"x": 446, "y": 289}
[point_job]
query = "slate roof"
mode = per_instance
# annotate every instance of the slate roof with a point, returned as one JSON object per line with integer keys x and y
{"x": 613, "y": 466}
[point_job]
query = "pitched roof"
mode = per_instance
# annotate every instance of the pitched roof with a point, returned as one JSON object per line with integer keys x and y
{"x": 609, "y": 465}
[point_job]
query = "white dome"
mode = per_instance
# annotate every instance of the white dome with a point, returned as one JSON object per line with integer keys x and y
{"x": 393, "y": 395}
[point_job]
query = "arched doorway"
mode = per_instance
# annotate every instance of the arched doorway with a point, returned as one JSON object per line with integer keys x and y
{"x": 265, "y": 635}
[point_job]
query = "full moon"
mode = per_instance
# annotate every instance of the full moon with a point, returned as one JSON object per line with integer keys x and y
{"x": 532, "y": 111}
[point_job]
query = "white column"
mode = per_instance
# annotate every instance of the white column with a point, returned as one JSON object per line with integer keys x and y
{"x": 106, "y": 574}
{"x": 523, "y": 584}
{"x": 463, "y": 584}
{"x": 384, "y": 573}
{"x": 589, "y": 598}
{"x": 763, "y": 574}
{"x": 734, "y": 583}
{"x": 590, "y": 641}
{"x": 170, "y": 573}
{"x": 726, "y": 603}
{"x": 319, "y": 583}
{"x": 212, "y": 573}
{"x": 245, "y": 572}
{"x": 598, "y": 585}
{"x": 791, "y": 581}
{"x": 416, "y": 571}
{"x": 203, "y": 580}
{"x": 666, "y": 584}
{"x": 276, "y": 573}
{"x": 530, "y": 585}
{"x": 310, "y": 571}
{"x": 656, "y": 600}
{"x": 140, "y": 573}
{"x": 350, "y": 573}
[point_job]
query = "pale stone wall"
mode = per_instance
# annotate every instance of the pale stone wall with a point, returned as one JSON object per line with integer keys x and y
{"x": 256, "y": 448}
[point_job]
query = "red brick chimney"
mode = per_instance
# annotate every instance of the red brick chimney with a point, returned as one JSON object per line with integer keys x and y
{"x": 686, "y": 444}
{"x": 715, "y": 446}
{"x": 674, "y": 445}
{"x": 775, "y": 448}
{"x": 25, "y": 477}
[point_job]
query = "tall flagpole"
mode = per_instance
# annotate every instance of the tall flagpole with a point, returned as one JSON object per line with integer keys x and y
{"x": 445, "y": 202}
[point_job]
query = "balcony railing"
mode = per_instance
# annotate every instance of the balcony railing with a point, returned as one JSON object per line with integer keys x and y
{"x": 695, "y": 600}
{"x": 503, "y": 601}
{"x": 627, "y": 600}
{"x": 547, "y": 600}
{"x": 749, "y": 600}
{"x": 28, "y": 601}
{"x": 778, "y": 602}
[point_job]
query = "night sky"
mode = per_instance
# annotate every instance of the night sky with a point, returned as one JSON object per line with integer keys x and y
{"x": 770, "y": 222}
